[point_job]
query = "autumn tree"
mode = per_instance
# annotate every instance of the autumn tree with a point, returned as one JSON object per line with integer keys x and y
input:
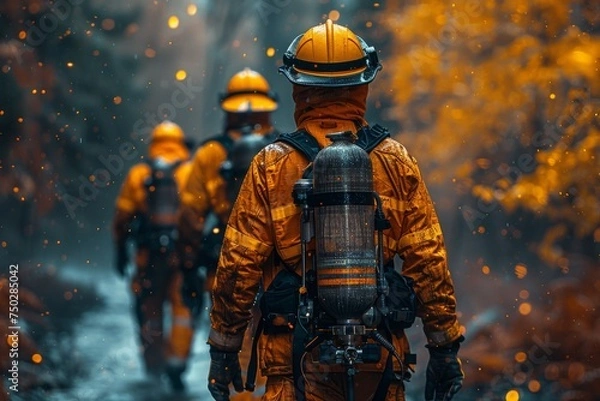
{"x": 70, "y": 96}
{"x": 500, "y": 102}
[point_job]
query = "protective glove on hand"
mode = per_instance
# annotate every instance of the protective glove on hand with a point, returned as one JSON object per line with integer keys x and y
{"x": 444, "y": 376}
{"x": 122, "y": 259}
{"x": 224, "y": 369}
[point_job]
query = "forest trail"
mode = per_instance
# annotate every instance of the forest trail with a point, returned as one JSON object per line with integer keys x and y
{"x": 105, "y": 342}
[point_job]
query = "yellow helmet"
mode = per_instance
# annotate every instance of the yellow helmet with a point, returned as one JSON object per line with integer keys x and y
{"x": 330, "y": 55}
{"x": 167, "y": 131}
{"x": 248, "y": 92}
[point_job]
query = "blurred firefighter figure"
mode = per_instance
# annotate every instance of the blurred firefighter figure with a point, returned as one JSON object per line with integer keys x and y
{"x": 146, "y": 213}
{"x": 234, "y": 169}
{"x": 206, "y": 198}
{"x": 312, "y": 346}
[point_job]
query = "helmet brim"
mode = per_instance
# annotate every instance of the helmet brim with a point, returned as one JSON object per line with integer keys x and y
{"x": 248, "y": 103}
{"x": 301, "y": 78}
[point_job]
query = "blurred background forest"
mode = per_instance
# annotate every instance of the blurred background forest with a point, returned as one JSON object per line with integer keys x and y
{"x": 499, "y": 102}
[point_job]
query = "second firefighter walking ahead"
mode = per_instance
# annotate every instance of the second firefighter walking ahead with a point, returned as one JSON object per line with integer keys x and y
{"x": 248, "y": 105}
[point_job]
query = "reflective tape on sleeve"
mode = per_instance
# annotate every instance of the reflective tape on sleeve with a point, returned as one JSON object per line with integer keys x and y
{"x": 247, "y": 241}
{"x": 420, "y": 236}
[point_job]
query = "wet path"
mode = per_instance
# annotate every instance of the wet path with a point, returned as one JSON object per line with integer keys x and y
{"x": 105, "y": 343}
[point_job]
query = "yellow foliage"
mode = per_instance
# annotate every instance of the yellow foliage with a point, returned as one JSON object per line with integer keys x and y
{"x": 504, "y": 97}
{"x": 547, "y": 251}
{"x": 483, "y": 192}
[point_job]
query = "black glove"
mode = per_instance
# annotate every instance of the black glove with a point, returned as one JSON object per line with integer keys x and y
{"x": 444, "y": 372}
{"x": 121, "y": 260}
{"x": 224, "y": 369}
{"x": 192, "y": 291}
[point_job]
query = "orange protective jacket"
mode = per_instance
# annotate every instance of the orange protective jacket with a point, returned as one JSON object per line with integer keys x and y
{"x": 265, "y": 220}
{"x": 204, "y": 191}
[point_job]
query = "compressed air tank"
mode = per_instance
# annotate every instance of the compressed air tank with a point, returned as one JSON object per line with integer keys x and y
{"x": 344, "y": 229}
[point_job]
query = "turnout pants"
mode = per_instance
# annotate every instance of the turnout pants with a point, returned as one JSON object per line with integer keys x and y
{"x": 157, "y": 284}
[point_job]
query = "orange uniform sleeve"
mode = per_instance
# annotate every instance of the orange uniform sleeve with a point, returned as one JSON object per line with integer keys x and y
{"x": 130, "y": 201}
{"x": 247, "y": 245}
{"x": 202, "y": 191}
{"x": 419, "y": 242}
{"x": 205, "y": 188}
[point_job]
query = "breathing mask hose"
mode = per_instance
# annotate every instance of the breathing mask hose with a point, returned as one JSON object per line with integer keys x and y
{"x": 350, "y": 386}
{"x": 389, "y": 346}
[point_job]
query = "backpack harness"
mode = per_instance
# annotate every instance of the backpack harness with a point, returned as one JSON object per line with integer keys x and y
{"x": 282, "y": 303}
{"x": 158, "y": 228}
{"x": 214, "y": 229}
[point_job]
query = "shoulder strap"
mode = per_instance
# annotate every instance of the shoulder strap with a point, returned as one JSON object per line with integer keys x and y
{"x": 150, "y": 179}
{"x": 301, "y": 141}
{"x": 155, "y": 165}
{"x": 162, "y": 202}
{"x": 368, "y": 139}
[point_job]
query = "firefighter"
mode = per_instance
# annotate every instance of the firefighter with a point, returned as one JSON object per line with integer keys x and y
{"x": 233, "y": 171}
{"x": 146, "y": 213}
{"x": 330, "y": 69}
{"x": 248, "y": 104}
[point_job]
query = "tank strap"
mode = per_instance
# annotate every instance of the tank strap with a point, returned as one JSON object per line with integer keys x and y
{"x": 298, "y": 348}
{"x": 253, "y": 363}
{"x": 142, "y": 231}
{"x": 154, "y": 166}
{"x": 303, "y": 142}
{"x": 368, "y": 139}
